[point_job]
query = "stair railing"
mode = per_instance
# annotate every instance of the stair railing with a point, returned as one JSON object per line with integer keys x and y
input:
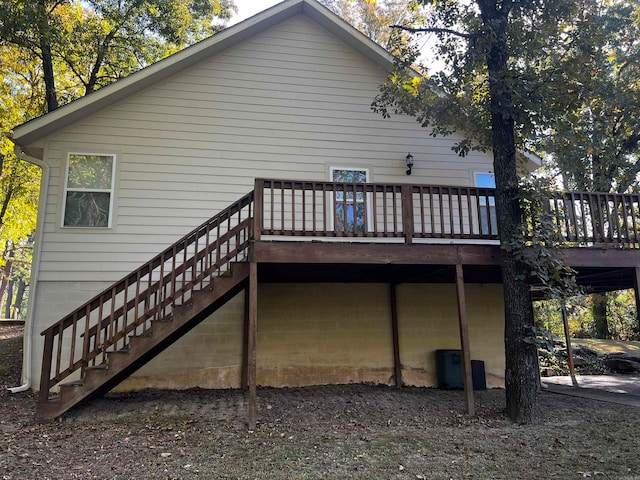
{"x": 128, "y": 307}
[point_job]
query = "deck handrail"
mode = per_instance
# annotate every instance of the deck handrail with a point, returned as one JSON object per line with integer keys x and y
{"x": 128, "y": 306}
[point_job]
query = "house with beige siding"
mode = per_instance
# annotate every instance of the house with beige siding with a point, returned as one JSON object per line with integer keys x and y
{"x": 236, "y": 215}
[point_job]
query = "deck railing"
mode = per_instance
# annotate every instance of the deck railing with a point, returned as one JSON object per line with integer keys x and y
{"x": 411, "y": 212}
{"x": 128, "y": 307}
{"x": 597, "y": 219}
{"x": 374, "y": 210}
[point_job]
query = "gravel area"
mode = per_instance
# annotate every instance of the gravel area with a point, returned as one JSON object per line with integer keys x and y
{"x": 330, "y": 432}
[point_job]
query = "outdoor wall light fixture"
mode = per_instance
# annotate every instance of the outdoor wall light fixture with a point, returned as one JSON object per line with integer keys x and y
{"x": 409, "y": 159}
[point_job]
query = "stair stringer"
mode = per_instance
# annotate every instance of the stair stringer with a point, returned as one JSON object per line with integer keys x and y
{"x": 96, "y": 381}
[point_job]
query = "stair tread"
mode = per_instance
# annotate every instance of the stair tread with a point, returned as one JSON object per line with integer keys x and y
{"x": 73, "y": 383}
{"x": 144, "y": 335}
{"x": 100, "y": 366}
{"x": 122, "y": 350}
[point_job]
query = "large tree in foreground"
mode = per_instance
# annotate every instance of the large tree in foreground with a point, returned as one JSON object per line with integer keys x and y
{"x": 497, "y": 91}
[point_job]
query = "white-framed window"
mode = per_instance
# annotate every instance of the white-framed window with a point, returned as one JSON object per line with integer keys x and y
{"x": 350, "y": 213}
{"x": 488, "y": 219}
{"x": 88, "y": 190}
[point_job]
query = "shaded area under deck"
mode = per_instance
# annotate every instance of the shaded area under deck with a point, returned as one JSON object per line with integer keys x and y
{"x": 598, "y": 270}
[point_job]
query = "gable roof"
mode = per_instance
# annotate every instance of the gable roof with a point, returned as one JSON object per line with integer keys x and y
{"x": 38, "y": 128}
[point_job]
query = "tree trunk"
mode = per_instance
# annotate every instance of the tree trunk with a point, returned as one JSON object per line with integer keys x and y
{"x": 4, "y": 282}
{"x": 599, "y": 312}
{"x": 521, "y": 357}
{"x": 7, "y": 305}
{"x": 17, "y": 305}
{"x": 95, "y": 70}
{"x": 6, "y": 273}
{"x": 44, "y": 31}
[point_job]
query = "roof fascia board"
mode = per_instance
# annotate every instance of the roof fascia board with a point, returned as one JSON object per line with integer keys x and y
{"x": 38, "y": 128}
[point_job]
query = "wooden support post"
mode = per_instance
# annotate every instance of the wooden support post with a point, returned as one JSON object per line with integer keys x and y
{"x": 244, "y": 382}
{"x": 636, "y": 289}
{"x": 464, "y": 341}
{"x": 397, "y": 369}
{"x": 251, "y": 342}
{"x": 567, "y": 339}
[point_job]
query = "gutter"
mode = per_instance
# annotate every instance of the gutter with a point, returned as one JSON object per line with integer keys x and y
{"x": 35, "y": 270}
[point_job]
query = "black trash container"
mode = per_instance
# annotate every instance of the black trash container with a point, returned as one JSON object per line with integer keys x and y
{"x": 449, "y": 369}
{"x": 478, "y": 375}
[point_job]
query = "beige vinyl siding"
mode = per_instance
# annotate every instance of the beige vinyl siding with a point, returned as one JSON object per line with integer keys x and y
{"x": 289, "y": 103}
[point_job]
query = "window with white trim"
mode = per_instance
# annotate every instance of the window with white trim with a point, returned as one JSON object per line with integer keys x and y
{"x": 488, "y": 219}
{"x": 88, "y": 196}
{"x": 348, "y": 208}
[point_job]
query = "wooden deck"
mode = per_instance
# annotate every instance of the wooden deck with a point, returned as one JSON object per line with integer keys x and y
{"x": 304, "y": 231}
{"x": 298, "y": 231}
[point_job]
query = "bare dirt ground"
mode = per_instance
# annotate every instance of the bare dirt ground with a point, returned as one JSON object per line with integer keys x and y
{"x": 336, "y": 432}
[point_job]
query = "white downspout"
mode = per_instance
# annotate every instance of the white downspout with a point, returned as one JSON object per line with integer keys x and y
{"x": 35, "y": 269}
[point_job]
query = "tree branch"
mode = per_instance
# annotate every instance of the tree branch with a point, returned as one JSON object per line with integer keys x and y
{"x": 55, "y": 5}
{"x": 437, "y": 30}
{"x": 103, "y": 48}
{"x": 5, "y": 204}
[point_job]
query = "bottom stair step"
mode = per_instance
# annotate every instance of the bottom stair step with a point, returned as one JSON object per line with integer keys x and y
{"x": 53, "y": 398}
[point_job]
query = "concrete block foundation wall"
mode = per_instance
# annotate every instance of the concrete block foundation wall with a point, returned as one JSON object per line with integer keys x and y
{"x": 311, "y": 334}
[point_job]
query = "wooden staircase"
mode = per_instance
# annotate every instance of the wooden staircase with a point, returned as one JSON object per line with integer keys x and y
{"x": 108, "y": 338}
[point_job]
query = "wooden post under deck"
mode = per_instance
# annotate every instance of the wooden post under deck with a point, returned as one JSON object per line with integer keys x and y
{"x": 636, "y": 289}
{"x": 464, "y": 341}
{"x": 567, "y": 339}
{"x": 397, "y": 369}
{"x": 244, "y": 381}
{"x": 251, "y": 342}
